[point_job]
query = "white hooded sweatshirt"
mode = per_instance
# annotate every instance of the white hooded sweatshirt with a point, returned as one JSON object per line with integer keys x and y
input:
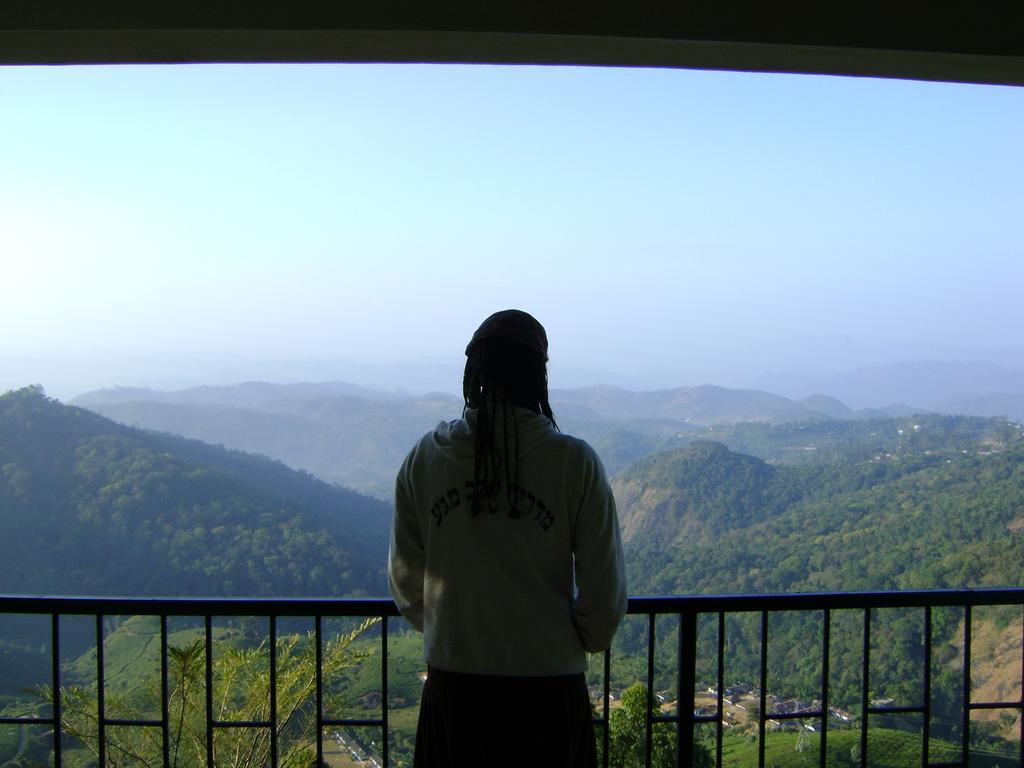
{"x": 503, "y": 595}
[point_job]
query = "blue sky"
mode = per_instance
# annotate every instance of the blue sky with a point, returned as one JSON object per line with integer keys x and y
{"x": 670, "y": 227}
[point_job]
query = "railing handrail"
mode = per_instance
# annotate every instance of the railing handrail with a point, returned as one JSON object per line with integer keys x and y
{"x": 810, "y": 601}
{"x": 199, "y": 606}
{"x": 385, "y": 606}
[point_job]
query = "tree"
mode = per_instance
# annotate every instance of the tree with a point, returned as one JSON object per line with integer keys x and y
{"x": 628, "y": 730}
{"x": 242, "y": 686}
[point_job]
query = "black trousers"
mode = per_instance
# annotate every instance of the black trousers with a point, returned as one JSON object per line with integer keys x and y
{"x": 479, "y": 721}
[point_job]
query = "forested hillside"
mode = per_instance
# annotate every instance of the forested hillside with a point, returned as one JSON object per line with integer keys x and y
{"x": 705, "y": 519}
{"x": 89, "y": 506}
{"x": 698, "y": 493}
{"x": 812, "y": 441}
{"x": 941, "y": 505}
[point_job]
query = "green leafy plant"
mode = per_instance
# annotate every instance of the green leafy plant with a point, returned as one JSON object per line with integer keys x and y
{"x": 241, "y": 684}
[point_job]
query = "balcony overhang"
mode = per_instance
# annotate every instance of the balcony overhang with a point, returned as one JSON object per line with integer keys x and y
{"x": 976, "y": 43}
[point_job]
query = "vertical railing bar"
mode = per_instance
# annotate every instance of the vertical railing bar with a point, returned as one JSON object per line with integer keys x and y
{"x": 649, "y": 746}
{"x": 761, "y": 720}
{"x": 965, "y": 735}
{"x": 55, "y": 682}
{"x": 1021, "y": 718}
{"x": 165, "y": 704}
{"x": 720, "y": 680}
{"x": 686, "y": 680}
{"x": 826, "y": 644}
{"x": 384, "y": 688}
{"x": 866, "y": 665}
{"x": 926, "y": 705}
{"x": 680, "y": 666}
{"x": 273, "y": 690}
{"x": 101, "y": 713}
{"x": 208, "y": 631}
{"x": 318, "y": 638}
{"x": 605, "y": 736}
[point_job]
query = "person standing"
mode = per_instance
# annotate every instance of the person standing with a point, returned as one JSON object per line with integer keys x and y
{"x": 506, "y": 553}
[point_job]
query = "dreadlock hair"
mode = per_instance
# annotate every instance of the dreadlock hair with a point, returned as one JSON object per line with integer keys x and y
{"x": 501, "y": 374}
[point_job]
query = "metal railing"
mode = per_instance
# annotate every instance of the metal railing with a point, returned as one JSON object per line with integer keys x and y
{"x": 688, "y": 610}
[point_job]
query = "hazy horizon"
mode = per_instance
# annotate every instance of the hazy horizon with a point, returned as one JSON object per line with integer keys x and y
{"x": 171, "y": 226}
{"x": 899, "y": 383}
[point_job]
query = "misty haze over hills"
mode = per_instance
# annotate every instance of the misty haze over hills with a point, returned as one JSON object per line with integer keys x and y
{"x": 968, "y": 387}
{"x": 862, "y": 375}
{"x": 355, "y": 426}
{"x": 357, "y": 436}
{"x": 69, "y": 376}
{"x": 932, "y": 385}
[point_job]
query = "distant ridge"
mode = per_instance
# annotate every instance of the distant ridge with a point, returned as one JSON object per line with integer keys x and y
{"x": 242, "y": 395}
{"x": 995, "y": 404}
{"x": 341, "y": 432}
{"x": 358, "y": 437}
{"x": 932, "y": 385}
{"x": 829, "y": 406}
{"x": 703, "y": 405}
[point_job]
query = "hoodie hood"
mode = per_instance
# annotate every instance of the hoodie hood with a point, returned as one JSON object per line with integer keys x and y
{"x": 457, "y": 438}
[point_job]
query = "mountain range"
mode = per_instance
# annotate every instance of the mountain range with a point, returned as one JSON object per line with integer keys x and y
{"x": 92, "y": 502}
{"x": 357, "y": 437}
